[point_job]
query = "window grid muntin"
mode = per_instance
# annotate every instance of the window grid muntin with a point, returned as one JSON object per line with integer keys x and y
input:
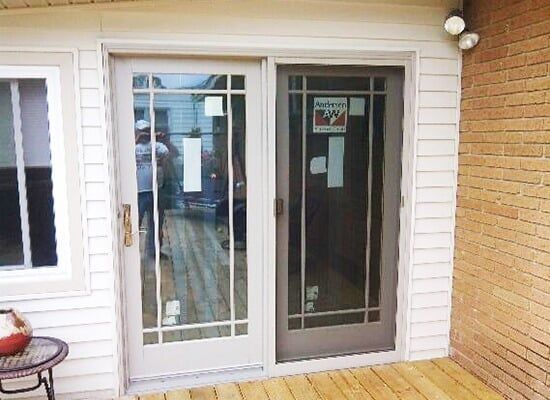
{"x": 304, "y": 92}
{"x": 151, "y": 91}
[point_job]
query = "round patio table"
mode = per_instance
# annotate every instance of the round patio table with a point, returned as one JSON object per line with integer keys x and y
{"x": 42, "y": 354}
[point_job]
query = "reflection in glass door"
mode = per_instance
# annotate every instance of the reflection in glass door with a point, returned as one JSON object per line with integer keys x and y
{"x": 191, "y": 207}
{"x": 186, "y": 152}
{"x": 339, "y": 138}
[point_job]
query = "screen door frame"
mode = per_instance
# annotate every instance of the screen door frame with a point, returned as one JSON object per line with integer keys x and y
{"x": 188, "y": 357}
{"x": 331, "y": 341}
{"x": 337, "y": 56}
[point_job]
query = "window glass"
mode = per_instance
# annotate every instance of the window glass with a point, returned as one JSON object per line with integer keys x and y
{"x": 10, "y": 230}
{"x": 28, "y": 238}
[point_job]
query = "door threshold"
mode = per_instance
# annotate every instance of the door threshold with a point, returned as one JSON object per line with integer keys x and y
{"x": 193, "y": 379}
{"x": 334, "y": 363}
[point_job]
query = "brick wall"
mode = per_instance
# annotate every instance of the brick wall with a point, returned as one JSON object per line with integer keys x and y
{"x": 501, "y": 296}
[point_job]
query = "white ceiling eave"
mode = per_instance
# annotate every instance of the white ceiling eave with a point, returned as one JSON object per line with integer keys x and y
{"x": 26, "y": 4}
{"x": 22, "y": 5}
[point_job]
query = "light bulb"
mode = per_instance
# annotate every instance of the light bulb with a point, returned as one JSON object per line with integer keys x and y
{"x": 468, "y": 40}
{"x": 454, "y": 25}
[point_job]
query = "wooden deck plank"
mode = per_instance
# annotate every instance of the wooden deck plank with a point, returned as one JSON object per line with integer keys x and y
{"x": 398, "y": 384}
{"x": 203, "y": 393}
{"x": 420, "y": 382}
{"x": 178, "y": 395}
{"x": 301, "y": 388}
{"x": 440, "y": 379}
{"x": 466, "y": 379}
{"x": 372, "y": 383}
{"x": 277, "y": 389}
{"x": 194, "y": 265}
{"x": 350, "y": 386}
{"x": 152, "y": 397}
{"x": 446, "y": 383}
{"x": 325, "y": 386}
{"x": 228, "y": 391}
{"x": 253, "y": 390}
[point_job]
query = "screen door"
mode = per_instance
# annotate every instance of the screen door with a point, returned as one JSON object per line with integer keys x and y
{"x": 189, "y": 149}
{"x": 339, "y": 140}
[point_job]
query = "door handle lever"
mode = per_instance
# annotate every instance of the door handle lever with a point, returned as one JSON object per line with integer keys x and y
{"x": 127, "y": 222}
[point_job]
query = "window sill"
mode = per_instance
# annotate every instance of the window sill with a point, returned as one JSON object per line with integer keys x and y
{"x": 41, "y": 282}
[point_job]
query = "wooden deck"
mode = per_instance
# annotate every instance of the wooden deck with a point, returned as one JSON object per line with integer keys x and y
{"x": 440, "y": 379}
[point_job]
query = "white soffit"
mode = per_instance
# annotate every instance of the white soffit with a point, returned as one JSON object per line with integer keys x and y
{"x": 22, "y": 4}
{"x": 31, "y": 4}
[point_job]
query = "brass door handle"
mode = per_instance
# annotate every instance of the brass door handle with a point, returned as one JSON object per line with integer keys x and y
{"x": 127, "y": 222}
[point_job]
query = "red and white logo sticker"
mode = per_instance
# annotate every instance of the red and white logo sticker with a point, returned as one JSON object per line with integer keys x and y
{"x": 330, "y": 114}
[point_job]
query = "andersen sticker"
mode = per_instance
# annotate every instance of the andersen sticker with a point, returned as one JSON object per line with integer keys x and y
{"x": 330, "y": 114}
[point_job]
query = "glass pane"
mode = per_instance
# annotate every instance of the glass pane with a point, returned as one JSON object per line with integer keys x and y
{"x": 376, "y": 199}
{"x": 241, "y": 329}
{"x": 295, "y": 204}
{"x": 334, "y": 320}
{"x": 295, "y": 82}
{"x": 338, "y": 83}
{"x": 374, "y": 316}
{"x": 239, "y": 204}
{"x": 150, "y": 338}
{"x": 294, "y": 323}
{"x": 337, "y": 156}
{"x": 335, "y": 258}
{"x": 193, "y": 209}
{"x": 189, "y": 81}
{"x": 380, "y": 83}
{"x": 10, "y": 229}
{"x": 196, "y": 333}
{"x": 144, "y": 176}
{"x": 237, "y": 82}
{"x": 140, "y": 81}
{"x": 38, "y": 171}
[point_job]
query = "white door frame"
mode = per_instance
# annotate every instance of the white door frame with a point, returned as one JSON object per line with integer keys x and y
{"x": 338, "y": 52}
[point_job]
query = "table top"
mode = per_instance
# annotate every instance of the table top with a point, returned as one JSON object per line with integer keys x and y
{"x": 41, "y": 354}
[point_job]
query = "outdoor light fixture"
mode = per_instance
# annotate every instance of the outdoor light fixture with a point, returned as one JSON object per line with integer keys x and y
{"x": 468, "y": 40}
{"x": 454, "y": 23}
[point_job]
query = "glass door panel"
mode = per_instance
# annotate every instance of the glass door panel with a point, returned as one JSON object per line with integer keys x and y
{"x": 333, "y": 166}
{"x": 190, "y": 156}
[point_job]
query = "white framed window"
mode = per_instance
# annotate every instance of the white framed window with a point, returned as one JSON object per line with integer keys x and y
{"x": 41, "y": 247}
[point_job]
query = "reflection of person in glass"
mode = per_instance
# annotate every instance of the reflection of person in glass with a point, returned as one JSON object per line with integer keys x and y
{"x": 144, "y": 172}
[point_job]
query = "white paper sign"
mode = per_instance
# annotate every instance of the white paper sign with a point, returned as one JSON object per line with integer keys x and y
{"x": 213, "y": 106}
{"x": 192, "y": 164}
{"x": 172, "y": 307}
{"x": 318, "y": 165}
{"x": 330, "y": 114}
{"x": 335, "y": 176}
{"x": 169, "y": 321}
{"x": 357, "y": 106}
{"x": 312, "y": 293}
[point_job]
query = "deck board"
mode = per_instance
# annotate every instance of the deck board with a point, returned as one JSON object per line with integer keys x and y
{"x": 440, "y": 379}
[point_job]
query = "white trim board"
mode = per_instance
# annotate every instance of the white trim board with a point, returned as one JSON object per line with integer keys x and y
{"x": 273, "y": 56}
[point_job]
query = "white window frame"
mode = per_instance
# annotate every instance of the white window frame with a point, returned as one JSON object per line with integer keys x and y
{"x": 70, "y": 275}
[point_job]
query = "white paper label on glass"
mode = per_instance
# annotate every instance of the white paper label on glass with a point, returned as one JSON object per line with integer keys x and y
{"x": 173, "y": 307}
{"x": 357, "y": 106}
{"x": 335, "y": 176}
{"x": 167, "y": 321}
{"x": 330, "y": 114}
{"x": 318, "y": 165}
{"x": 312, "y": 293}
{"x": 213, "y": 106}
{"x": 192, "y": 164}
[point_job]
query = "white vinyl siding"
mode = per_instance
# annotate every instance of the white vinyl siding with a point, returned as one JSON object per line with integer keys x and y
{"x": 87, "y": 322}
